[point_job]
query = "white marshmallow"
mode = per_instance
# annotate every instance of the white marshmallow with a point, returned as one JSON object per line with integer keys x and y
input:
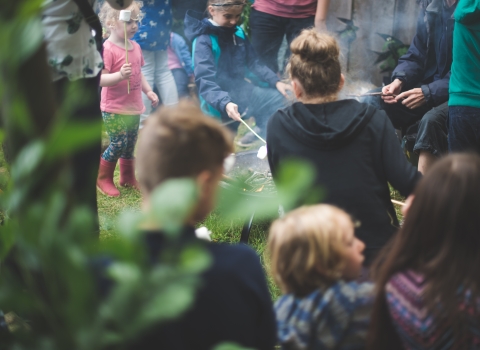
{"x": 262, "y": 152}
{"x": 203, "y": 233}
{"x": 125, "y": 15}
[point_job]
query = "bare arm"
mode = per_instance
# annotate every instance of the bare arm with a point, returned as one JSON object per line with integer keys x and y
{"x": 110, "y": 79}
{"x": 321, "y": 14}
{"x": 146, "y": 88}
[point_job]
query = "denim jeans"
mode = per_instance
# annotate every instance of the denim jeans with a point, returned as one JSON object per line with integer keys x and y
{"x": 268, "y": 32}
{"x": 464, "y": 129}
{"x": 157, "y": 73}
{"x": 181, "y": 80}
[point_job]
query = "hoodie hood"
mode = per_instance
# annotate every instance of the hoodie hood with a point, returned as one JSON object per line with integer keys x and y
{"x": 329, "y": 125}
{"x": 196, "y": 25}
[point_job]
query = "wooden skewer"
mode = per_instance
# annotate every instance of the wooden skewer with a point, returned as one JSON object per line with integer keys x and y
{"x": 397, "y": 202}
{"x": 249, "y": 128}
{"x": 372, "y": 94}
{"x": 126, "y": 53}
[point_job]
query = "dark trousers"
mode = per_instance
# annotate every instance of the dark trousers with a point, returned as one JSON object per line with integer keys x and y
{"x": 267, "y": 32}
{"x": 464, "y": 129}
{"x": 432, "y": 123}
{"x": 84, "y": 161}
{"x": 181, "y": 80}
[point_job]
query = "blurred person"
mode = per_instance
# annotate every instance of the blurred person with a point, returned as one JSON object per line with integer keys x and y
{"x": 74, "y": 56}
{"x": 233, "y": 303}
{"x": 180, "y": 64}
{"x": 420, "y": 82}
{"x": 427, "y": 278}
{"x": 153, "y": 36}
{"x": 271, "y": 20}
{"x": 352, "y": 145}
{"x": 315, "y": 260}
{"x": 464, "y": 105}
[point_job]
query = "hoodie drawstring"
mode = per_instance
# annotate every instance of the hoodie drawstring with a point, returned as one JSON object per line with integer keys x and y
{"x": 234, "y": 40}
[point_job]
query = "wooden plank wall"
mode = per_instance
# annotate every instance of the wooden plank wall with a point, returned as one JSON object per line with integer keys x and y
{"x": 392, "y": 17}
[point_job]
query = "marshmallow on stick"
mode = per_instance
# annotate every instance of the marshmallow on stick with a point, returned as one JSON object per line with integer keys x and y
{"x": 125, "y": 17}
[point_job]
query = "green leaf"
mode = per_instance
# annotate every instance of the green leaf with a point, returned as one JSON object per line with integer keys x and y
{"x": 28, "y": 160}
{"x": 71, "y": 137}
{"x": 29, "y": 38}
{"x": 230, "y": 346}
{"x": 195, "y": 259}
{"x": 171, "y": 204}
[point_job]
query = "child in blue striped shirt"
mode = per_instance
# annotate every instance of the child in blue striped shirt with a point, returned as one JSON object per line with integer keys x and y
{"x": 315, "y": 259}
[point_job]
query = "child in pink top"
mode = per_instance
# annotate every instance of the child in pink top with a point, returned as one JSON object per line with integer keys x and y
{"x": 121, "y": 108}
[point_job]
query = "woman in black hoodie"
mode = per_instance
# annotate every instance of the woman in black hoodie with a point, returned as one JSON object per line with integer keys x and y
{"x": 352, "y": 145}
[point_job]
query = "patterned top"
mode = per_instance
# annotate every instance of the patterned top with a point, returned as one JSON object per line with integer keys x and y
{"x": 418, "y": 329}
{"x": 335, "y": 318}
{"x": 154, "y": 31}
{"x": 71, "y": 47}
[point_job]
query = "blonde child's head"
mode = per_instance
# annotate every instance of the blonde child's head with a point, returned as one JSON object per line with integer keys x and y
{"x": 225, "y": 13}
{"x": 315, "y": 64}
{"x": 313, "y": 246}
{"x": 110, "y": 17}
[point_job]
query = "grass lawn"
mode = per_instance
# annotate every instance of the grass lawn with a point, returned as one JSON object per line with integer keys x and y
{"x": 222, "y": 230}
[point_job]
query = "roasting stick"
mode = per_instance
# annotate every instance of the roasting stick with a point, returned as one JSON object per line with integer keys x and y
{"x": 125, "y": 17}
{"x": 249, "y": 128}
{"x": 397, "y": 202}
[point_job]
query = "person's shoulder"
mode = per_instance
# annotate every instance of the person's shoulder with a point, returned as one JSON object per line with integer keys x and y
{"x": 356, "y": 290}
{"x": 235, "y": 260}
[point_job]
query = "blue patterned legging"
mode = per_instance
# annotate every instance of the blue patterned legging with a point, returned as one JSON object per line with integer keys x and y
{"x": 123, "y": 133}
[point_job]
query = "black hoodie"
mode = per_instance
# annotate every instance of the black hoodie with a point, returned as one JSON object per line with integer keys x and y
{"x": 356, "y": 154}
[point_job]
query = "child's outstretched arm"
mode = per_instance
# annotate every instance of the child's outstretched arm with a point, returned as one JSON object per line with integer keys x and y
{"x": 205, "y": 75}
{"x": 110, "y": 79}
{"x": 147, "y": 90}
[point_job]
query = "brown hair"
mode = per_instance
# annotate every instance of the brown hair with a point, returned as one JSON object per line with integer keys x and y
{"x": 110, "y": 16}
{"x": 179, "y": 142}
{"x": 439, "y": 239}
{"x": 225, "y": 5}
{"x": 304, "y": 242}
{"x": 315, "y": 63}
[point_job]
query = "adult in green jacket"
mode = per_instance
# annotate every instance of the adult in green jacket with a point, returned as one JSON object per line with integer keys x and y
{"x": 464, "y": 102}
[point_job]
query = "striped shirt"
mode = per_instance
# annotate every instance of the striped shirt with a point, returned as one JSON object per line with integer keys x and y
{"x": 333, "y": 318}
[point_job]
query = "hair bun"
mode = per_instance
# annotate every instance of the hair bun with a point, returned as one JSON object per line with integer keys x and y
{"x": 315, "y": 47}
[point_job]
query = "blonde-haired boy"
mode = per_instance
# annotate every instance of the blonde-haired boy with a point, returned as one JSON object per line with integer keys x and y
{"x": 315, "y": 259}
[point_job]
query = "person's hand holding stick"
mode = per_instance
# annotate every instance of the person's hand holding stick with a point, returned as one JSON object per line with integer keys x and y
{"x": 125, "y": 17}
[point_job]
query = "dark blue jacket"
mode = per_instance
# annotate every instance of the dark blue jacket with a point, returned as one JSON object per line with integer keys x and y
{"x": 419, "y": 65}
{"x": 219, "y": 84}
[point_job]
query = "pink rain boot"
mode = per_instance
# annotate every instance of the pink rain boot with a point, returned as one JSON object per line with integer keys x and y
{"x": 127, "y": 173}
{"x": 105, "y": 178}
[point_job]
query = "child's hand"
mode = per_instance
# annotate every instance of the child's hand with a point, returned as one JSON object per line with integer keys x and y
{"x": 126, "y": 71}
{"x": 283, "y": 88}
{"x": 153, "y": 97}
{"x": 232, "y": 111}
